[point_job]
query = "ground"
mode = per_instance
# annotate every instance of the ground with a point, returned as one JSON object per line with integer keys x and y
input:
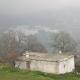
{"x": 15, "y": 74}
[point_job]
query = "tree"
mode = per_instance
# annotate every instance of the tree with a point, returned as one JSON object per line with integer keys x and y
{"x": 35, "y": 45}
{"x": 64, "y": 42}
{"x": 13, "y": 44}
{"x": 8, "y": 47}
{"x": 30, "y": 43}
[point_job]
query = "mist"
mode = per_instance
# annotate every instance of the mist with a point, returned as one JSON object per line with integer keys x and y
{"x": 60, "y": 14}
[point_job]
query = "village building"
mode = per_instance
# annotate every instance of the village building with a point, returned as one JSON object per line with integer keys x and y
{"x": 44, "y": 62}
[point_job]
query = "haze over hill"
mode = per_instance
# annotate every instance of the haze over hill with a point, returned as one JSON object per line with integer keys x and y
{"x": 54, "y": 14}
{"x": 67, "y": 20}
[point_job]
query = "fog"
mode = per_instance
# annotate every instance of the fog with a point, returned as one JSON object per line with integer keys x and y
{"x": 27, "y": 7}
{"x": 57, "y": 14}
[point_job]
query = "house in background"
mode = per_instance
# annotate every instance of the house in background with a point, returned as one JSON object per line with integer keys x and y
{"x": 49, "y": 63}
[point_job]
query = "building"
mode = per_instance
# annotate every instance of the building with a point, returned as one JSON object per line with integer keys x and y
{"x": 49, "y": 63}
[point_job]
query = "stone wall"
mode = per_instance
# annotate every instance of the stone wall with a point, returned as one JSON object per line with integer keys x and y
{"x": 57, "y": 67}
{"x": 44, "y": 66}
{"x": 67, "y": 65}
{"x": 20, "y": 64}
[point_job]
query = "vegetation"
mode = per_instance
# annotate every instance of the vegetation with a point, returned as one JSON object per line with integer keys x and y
{"x": 13, "y": 44}
{"x": 64, "y": 42}
{"x": 9, "y": 73}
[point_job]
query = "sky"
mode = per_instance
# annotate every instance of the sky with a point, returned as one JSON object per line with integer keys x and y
{"x": 26, "y": 7}
{"x": 32, "y": 11}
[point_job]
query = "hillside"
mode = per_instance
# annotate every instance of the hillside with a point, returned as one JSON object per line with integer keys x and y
{"x": 13, "y": 74}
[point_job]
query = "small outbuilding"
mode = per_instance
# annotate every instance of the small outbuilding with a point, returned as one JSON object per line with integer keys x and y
{"x": 49, "y": 63}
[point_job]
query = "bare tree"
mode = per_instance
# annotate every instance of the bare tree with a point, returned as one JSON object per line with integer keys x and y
{"x": 33, "y": 44}
{"x": 12, "y": 44}
{"x": 8, "y": 47}
{"x": 29, "y": 43}
{"x": 64, "y": 42}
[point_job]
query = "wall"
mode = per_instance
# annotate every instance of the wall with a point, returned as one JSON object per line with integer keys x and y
{"x": 44, "y": 66}
{"x": 59, "y": 67}
{"x": 67, "y": 65}
{"x": 20, "y": 64}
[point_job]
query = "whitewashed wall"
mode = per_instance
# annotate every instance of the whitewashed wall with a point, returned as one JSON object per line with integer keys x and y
{"x": 44, "y": 66}
{"x": 58, "y": 67}
{"x": 67, "y": 65}
{"x": 20, "y": 64}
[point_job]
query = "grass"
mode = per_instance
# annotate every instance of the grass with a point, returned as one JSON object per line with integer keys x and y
{"x": 8, "y": 73}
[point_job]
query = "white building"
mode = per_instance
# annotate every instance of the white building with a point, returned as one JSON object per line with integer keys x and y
{"x": 49, "y": 63}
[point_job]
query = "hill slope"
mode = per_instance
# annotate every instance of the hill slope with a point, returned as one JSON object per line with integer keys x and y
{"x": 14, "y": 74}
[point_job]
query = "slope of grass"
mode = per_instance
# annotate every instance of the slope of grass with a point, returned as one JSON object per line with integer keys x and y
{"x": 8, "y": 73}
